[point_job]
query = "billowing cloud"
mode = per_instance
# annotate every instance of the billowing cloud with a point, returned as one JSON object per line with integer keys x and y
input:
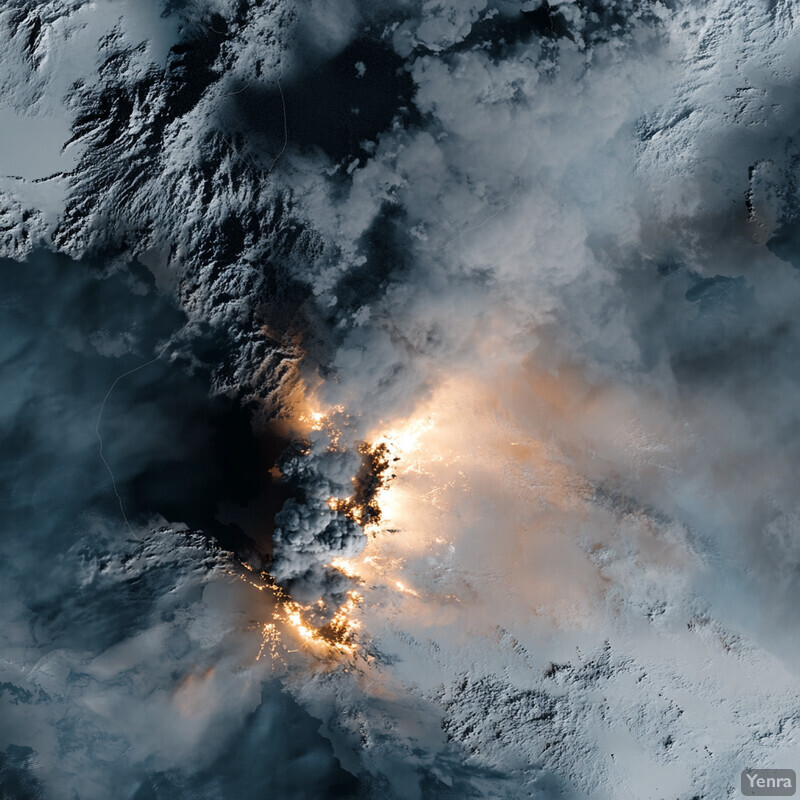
{"x": 134, "y": 659}
{"x": 543, "y": 255}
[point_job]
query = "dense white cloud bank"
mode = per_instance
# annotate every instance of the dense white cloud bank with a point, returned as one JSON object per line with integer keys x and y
{"x": 559, "y": 262}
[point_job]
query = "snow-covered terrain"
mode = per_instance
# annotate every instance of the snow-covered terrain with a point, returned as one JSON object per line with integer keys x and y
{"x": 521, "y": 279}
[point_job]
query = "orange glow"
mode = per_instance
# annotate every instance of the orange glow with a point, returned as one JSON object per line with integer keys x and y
{"x": 402, "y": 447}
{"x": 191, "y": 695}
{"x": 335, "y": 635}
{"x": 316, "y": 420}
{"x": 288, "y": 618}
{"x": 345, "y": 567}
{"x": 450, "y": 460}
{"x": 479, "y": 490}
{"x": 270, "y": 638}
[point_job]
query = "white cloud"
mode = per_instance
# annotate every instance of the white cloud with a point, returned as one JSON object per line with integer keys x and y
{"x": 561, "y": 265}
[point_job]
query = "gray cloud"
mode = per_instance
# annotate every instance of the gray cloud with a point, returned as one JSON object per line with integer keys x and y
{"x": 578, "y": 214}
{"x": 596, "y": 216}
{"x": 129, "y": 657}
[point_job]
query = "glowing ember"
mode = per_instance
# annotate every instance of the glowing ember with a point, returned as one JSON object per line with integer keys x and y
{"x": 289, "y": 616}
{"x": 374, "y": 500}
{"x": 344, "y": 566}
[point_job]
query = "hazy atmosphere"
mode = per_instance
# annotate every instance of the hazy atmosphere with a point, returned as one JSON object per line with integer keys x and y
{"x": 400, "y": 399}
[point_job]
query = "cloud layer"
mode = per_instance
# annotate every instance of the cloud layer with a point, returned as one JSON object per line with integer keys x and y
{"x": 545, "y": 252}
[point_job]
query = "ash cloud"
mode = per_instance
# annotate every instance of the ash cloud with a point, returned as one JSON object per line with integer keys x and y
{"x": 129, "y": 664}
{"x": 594, "y": 197}
{"x": 310, "y": 533}
{"x": 606, "y": 205}
{"x": 606, "y": 202}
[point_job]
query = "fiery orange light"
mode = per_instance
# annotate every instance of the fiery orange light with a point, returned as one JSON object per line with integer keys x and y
{"x": 401, "y": 587}
{"x": 345, "y": 567}
{"x": 400, "y": 449}
{"x": 337, "y": 635}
